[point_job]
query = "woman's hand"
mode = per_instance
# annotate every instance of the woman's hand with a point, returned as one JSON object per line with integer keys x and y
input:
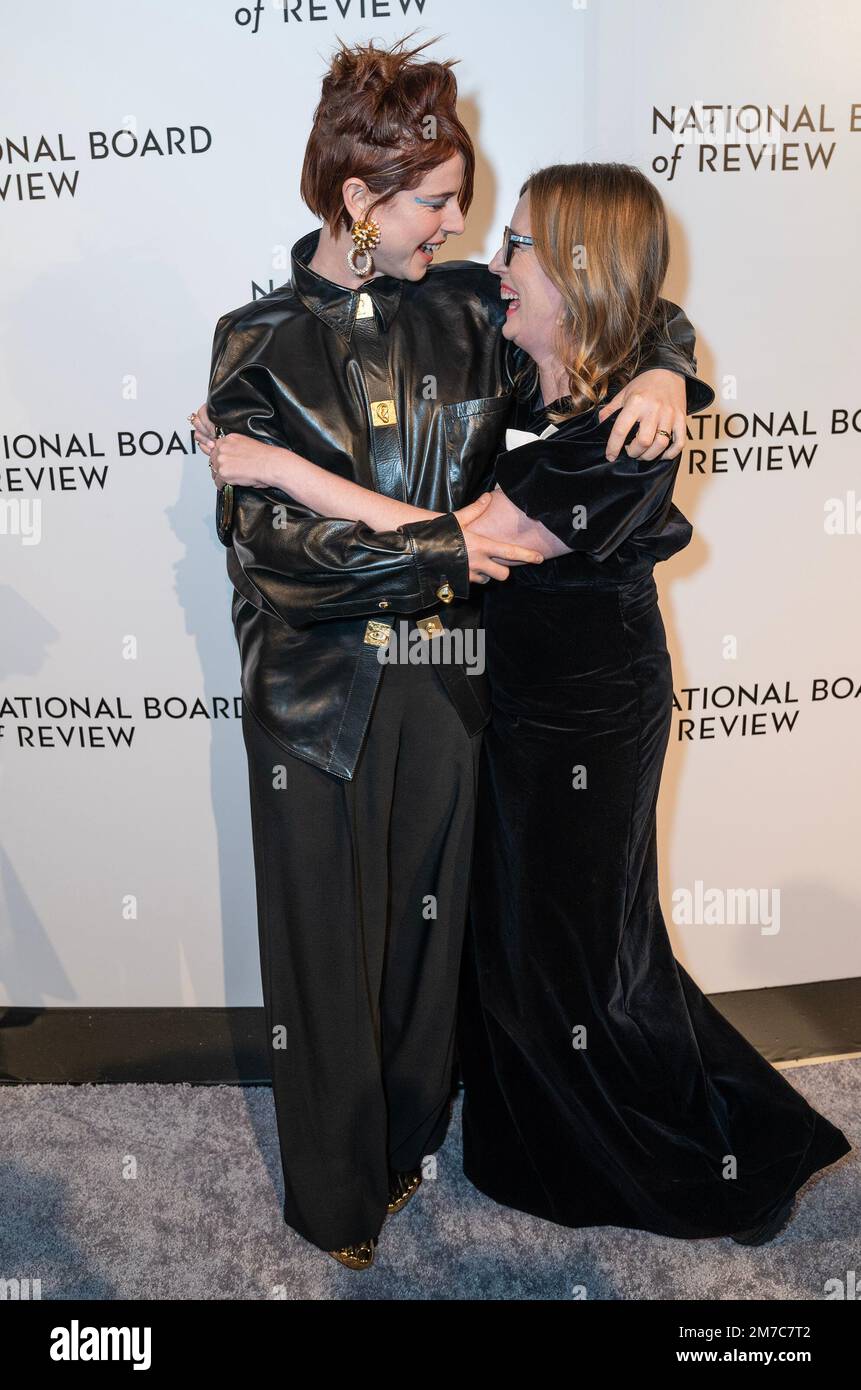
{"x": 234, "y": 458}
{"x": 203, "y": 429}
{"x": 204, "y": 437}
{"x": 490, "y": 555}
{"x": 657, "y": 401}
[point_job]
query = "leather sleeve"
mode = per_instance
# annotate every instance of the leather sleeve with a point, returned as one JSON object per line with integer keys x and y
{"x": 306, "y": 568}
{"x": 311, "y": 569}
{"x": 678, "y": 355}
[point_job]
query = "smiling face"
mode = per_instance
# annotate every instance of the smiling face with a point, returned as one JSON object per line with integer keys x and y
{"x": 415, "y": 222}
{"x": 534, "y": 303}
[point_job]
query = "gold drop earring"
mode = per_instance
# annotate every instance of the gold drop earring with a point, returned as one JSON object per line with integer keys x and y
{"x": 365, "y": 233}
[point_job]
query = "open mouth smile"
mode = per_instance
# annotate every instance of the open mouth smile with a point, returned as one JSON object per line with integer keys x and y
{"x": 511, "y": 298}
{"x": 427, "y": 248}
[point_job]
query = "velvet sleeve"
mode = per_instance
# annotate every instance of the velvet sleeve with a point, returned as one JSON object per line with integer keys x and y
{"x": 674, "y": 350}
{"x": 593, "y": 506}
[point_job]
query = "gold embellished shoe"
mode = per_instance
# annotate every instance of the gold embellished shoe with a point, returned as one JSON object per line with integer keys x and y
{"x": 356, "y": 1256}
{"x": 403, "y": 1186}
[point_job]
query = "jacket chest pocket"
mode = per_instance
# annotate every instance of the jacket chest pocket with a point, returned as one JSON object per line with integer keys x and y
{"x": 474, "y": 435}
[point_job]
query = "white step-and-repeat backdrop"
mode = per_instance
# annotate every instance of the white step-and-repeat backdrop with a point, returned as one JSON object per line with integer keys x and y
{"x": 149, "y": 170}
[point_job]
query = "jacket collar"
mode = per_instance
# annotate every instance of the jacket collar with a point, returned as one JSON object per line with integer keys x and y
{"x": 332, "y": 303}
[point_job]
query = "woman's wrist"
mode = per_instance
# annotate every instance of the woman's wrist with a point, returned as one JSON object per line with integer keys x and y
{"x": 276, "y": 466}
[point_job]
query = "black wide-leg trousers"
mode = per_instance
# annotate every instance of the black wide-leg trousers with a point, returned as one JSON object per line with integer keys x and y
{"x": 362, "y": 891}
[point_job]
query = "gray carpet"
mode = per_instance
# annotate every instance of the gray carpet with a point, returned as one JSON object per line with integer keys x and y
{"x": 201, "y": 1215}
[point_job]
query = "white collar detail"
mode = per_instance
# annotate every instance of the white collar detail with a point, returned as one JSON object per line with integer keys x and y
{"x": 514, "y": 438}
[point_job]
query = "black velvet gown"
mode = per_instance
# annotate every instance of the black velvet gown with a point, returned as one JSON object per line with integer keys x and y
{"x": 600, "y": 1085}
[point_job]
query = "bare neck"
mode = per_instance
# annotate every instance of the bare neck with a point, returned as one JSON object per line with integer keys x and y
{"x": 553, "y": 379}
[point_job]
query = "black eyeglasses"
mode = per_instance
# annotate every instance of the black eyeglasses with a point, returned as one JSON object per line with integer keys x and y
{"x": 511, "y": 239}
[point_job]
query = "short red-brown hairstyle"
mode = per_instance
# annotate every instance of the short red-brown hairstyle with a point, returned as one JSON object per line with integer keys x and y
{"x": 372, "y": 122}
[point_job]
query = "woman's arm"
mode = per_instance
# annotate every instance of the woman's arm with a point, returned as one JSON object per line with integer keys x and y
{"x": 330, "y": 495}
{"x": 237, "y": 459}
{"x": 249, "y": 463}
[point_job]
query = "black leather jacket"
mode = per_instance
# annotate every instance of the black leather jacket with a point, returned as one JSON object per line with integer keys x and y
{"x": 400, "y": 386}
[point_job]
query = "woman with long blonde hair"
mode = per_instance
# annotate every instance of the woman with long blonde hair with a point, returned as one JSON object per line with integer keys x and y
{"x": 601, "y": 1085}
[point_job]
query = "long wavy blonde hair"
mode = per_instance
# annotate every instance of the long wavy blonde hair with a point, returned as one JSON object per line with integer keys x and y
{"x": 601, "y": 237}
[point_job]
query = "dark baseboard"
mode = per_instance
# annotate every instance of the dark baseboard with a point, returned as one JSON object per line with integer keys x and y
{"x": 217, "y": 1047}
{"x": 790, "y": 1022}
